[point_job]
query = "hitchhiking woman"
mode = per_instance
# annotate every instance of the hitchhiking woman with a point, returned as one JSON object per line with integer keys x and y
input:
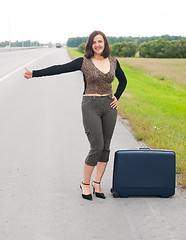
{"x": 99, "y": 106}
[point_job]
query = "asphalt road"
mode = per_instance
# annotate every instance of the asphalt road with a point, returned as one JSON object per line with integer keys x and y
{"x": 42, "y": 152}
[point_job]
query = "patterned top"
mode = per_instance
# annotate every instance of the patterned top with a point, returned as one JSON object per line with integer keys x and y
{"x": 95, "y": 81}
{"x": 98, "y": 82}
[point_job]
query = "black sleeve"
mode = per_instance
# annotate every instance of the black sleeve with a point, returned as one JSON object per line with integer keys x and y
{"x": 58, "y": 69}
{"x": 122, "y": 81}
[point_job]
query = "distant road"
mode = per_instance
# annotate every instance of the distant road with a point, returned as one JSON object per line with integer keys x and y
{"x": 16, "y": 49}
{"x": 42, "y": 151}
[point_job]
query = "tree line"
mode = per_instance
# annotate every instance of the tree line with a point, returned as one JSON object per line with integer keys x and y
{"x": 160, "y": 48}
{"x": 118, "y": 49}
{"x": 76, "y": 41}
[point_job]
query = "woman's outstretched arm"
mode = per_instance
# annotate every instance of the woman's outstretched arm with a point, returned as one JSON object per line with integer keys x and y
{"x": 56, "y": 69}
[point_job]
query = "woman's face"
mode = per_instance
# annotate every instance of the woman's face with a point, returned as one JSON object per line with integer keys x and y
{"x": 98, "y": 44}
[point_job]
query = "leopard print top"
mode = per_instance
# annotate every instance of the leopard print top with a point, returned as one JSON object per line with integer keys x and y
{"x": 98, "y": 82}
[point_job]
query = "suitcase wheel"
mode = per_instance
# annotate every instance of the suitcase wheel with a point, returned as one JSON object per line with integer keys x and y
{"x": 115, "y": 194}
{"x": 111, "y": 190}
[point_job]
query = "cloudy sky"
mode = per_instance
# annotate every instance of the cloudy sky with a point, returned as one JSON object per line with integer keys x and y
{"x": 57, "y": 20}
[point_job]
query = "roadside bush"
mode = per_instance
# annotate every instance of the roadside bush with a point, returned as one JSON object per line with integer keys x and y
{"x": 81, "y": 48}
{"x": 162, "y": 48}
{"x": 123, "y": 49}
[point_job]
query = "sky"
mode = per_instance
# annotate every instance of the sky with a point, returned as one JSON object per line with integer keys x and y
{"x": 57, "y": 20}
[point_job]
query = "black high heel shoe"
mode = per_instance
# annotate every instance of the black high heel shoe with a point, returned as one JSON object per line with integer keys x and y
{"x": 99, "y": 195}
{"x": 86, "y": 196}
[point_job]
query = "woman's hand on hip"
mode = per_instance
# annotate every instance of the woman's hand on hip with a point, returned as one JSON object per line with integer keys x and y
{"x": 27, "y": 74}
{"x": 114, "y": 103}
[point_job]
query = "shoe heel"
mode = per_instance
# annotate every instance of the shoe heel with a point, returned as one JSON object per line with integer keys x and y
{"x": 99, "y": 195}
{"x": 89, "y": 196}
{"x": 93, "y": 190}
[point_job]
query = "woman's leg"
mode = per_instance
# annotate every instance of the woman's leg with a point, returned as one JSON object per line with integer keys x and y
{"x": 92, "y": 122}
{"x": 100, "y": 169}
{"x": 108, "y": 124}
{"x": 86, "y": 178}
{"x": 93, "y": 129}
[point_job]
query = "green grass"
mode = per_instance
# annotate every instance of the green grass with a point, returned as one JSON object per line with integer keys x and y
{"x": 156, "y": 111}
{"x": 74, "y": 53}
{"x": 174, "y": 69}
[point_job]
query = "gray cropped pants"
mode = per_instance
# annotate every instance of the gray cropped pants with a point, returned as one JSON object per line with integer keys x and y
{"x": 99, "y": 120}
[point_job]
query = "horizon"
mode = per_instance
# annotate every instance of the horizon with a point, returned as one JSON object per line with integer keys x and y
{"x": 87, "y": 36}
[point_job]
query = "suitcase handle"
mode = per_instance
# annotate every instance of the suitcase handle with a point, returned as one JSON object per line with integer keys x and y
{"x": 144, "y": 148}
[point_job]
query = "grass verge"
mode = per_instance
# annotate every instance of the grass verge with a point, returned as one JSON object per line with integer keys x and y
{"x": 156, "y": 111}
{"x": 173, "y": 68}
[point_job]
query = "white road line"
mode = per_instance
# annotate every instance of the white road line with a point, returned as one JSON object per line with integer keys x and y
{"x": 8, "y": 75}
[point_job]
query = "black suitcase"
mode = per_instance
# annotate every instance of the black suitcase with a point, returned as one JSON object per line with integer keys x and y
{"x": 143, "y": 172}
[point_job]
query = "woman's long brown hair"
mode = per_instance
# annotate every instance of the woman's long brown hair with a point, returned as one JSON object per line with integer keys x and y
{"x": 88, "y": 48}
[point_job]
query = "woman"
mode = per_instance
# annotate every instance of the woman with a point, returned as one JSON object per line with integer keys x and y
{"x": 99, "y": 107}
